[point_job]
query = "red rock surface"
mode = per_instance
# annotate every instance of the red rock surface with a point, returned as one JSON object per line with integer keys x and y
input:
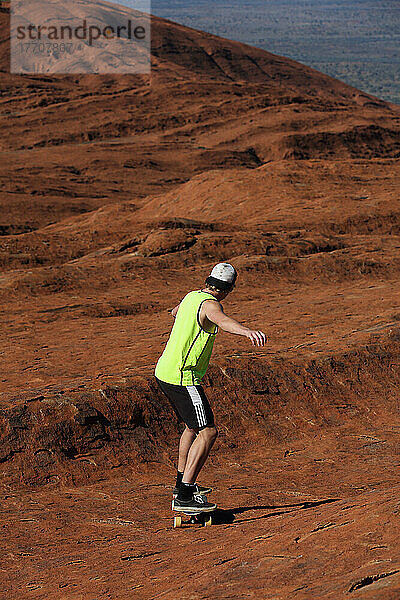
{"x": 117, "y": 196}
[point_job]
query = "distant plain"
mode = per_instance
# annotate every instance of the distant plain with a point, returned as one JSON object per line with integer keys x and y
{"x": 356, "y": 42}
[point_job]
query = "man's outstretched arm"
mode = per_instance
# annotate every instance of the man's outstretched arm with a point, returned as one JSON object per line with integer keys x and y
{"x": 214, "y": 313}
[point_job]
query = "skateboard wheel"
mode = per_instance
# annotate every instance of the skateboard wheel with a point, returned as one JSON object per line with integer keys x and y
{"x": 207, "y": 520}
{"x": 177, "y": 522}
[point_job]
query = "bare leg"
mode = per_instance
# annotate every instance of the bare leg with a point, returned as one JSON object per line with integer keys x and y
{"x": 186, "y": 441}
{"x": 198, "y": 453}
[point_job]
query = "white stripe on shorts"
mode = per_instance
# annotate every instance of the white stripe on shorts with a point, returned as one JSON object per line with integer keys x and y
{"x": 198, "y": 404}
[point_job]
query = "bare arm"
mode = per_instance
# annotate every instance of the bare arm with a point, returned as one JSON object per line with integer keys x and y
{"x": 215, "y": 313}
{"x": 173, "y": 311}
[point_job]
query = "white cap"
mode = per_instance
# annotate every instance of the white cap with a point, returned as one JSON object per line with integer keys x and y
{"x": 223, "y": 276}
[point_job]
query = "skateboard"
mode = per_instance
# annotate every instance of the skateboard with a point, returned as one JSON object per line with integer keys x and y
{"x": 201, "y": 518}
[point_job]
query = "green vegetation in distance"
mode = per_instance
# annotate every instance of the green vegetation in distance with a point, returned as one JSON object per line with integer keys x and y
{"x": 356, "y": 41}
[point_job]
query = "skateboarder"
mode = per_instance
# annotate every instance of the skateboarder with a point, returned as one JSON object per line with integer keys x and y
{"x": 179, "y": 372}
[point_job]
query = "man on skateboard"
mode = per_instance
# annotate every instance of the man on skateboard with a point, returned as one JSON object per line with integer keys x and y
{"x": 179, "y": 372}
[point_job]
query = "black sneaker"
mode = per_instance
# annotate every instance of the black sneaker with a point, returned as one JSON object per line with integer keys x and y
{"x": 199, "y": 489}
{"x": 196, "y": 505}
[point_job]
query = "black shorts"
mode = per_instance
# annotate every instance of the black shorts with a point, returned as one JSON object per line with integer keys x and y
{"x": 190, "y": 404}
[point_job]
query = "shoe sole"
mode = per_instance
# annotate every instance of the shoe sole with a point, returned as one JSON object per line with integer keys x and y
{"x": 193, "y": 511}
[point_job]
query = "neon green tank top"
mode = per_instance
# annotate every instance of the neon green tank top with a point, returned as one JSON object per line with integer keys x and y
{"x": 188, "y": 351}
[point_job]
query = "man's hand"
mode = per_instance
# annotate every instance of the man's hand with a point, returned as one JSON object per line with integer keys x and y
{"x": 173, "y": 311}
{"x": 258, "y": 338}
{"x": 215, "y": 313}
